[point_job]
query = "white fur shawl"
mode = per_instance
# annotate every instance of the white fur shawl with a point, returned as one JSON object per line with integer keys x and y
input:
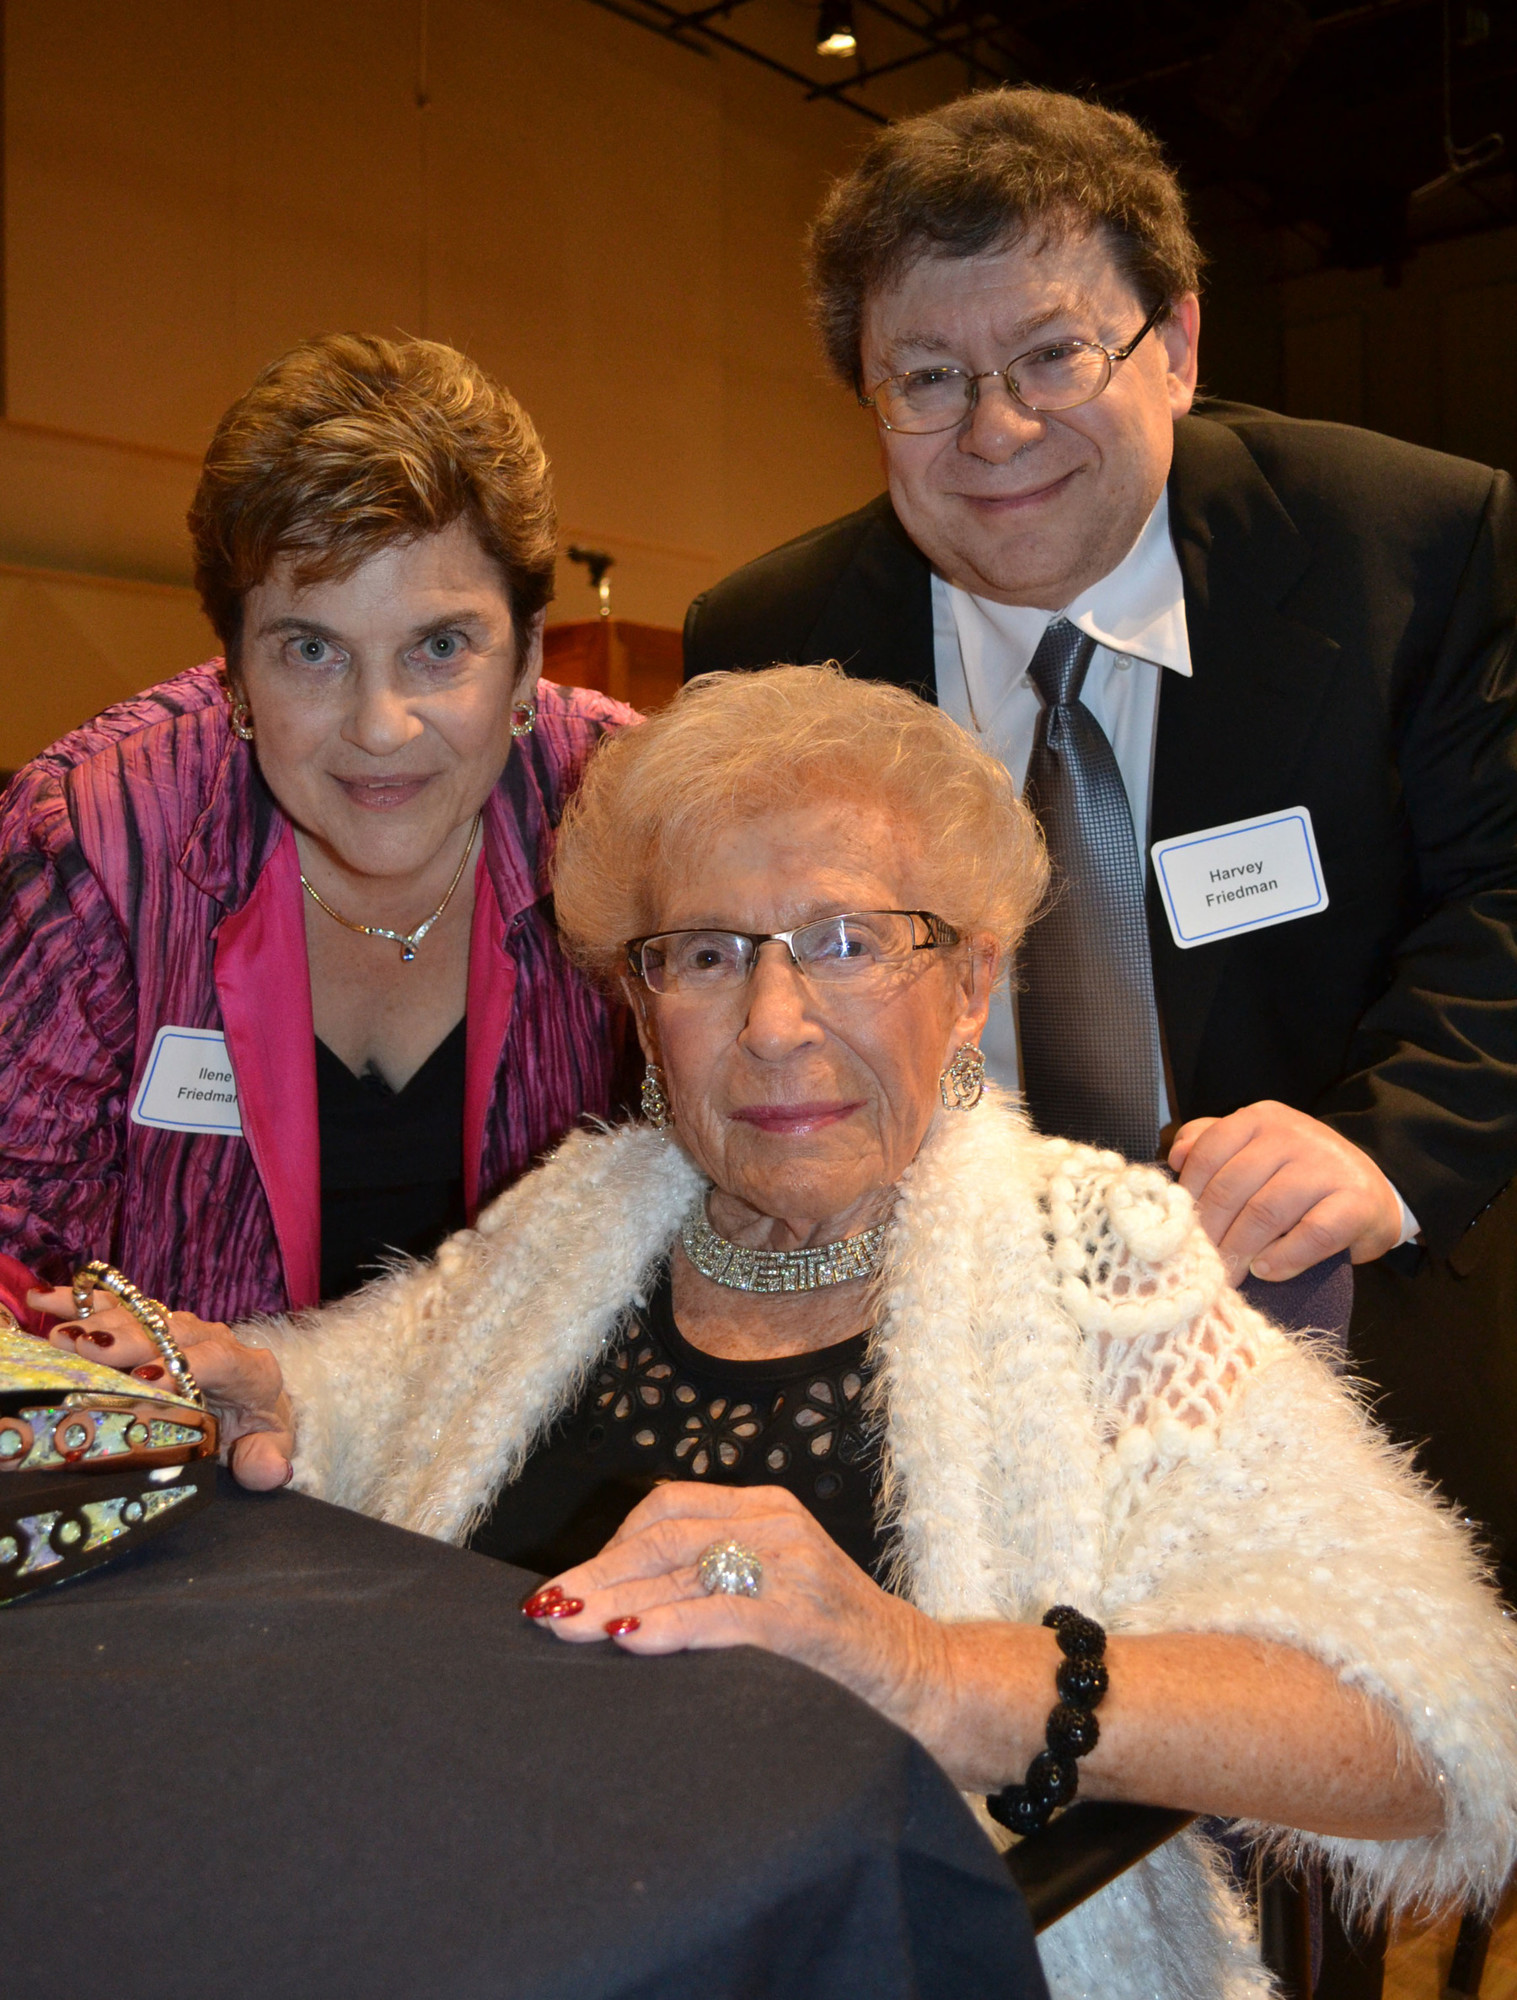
{"x": 1076, "y": 1410}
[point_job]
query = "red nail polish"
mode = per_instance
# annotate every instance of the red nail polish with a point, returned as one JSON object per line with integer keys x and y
{"x": 148, "y": 1372}
{"x": 97, "y": 1339}
{"x": 619, "y": 1627}
{"x": 289, "y": 1474}
{"x": 538, "y": 1602}
{"x": 563, "y": 1607}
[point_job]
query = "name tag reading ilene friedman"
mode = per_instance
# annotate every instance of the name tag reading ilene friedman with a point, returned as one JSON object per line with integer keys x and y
{"x": 1244, "y": 876}
{"x": 188, "y": 1084}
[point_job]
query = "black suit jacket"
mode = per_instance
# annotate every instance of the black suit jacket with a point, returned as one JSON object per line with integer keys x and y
{"x": 1351, "y": 604}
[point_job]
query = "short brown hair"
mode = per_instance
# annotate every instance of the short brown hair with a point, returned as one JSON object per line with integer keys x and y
{"x": 732, "y": 748}
{"x": 977, "y": 175}
{"x": 349, "y": 444}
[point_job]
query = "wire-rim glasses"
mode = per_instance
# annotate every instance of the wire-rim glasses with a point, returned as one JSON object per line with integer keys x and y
{"x": 1059, "y": 375}
{"x": 853, "y": 950}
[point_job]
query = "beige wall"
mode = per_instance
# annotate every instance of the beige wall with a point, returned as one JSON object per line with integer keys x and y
{"x": 71, "y": 645}
{"x": 608, "y": 222}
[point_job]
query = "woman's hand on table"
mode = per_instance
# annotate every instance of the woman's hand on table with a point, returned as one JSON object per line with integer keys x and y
{"x": 242, "y": 1385}
{"x": 816, "y": 1606}
{"x": 1209, "y": 1722}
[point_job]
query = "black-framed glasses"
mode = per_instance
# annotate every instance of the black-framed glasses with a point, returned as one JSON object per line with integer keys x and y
{"x": 1059, "y": 376}
{"x": 850, "y": 950}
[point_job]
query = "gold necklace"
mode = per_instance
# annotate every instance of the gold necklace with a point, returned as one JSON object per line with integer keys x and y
{"x": 407, "y": 941}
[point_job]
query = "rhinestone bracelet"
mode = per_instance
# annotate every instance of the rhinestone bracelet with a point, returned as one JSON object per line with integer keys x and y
{"x": 1053, "y": 1777}
{"x": 150, "y": 1314}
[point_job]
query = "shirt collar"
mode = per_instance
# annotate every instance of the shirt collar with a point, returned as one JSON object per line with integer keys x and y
{"x": 1136, "y": 610}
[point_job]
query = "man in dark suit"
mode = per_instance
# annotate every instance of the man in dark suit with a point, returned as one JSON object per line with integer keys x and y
{"x": 1301, "y": 627}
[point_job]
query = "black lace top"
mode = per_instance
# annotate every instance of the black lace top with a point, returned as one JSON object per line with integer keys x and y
{"x": 656, "y": 1408}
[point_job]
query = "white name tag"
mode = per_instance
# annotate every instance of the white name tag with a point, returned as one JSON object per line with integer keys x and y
{"x": 1243, "y": 876}
{"x": 188, "y": 1085}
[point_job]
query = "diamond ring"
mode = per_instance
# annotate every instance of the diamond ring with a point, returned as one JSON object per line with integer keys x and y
{"x": 727, "y": 1569}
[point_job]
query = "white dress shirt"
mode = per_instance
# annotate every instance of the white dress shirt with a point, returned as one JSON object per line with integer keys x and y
{"x": 981, "y": 653}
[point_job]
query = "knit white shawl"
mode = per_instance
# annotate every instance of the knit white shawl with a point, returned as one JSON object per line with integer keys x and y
{"x": 1076, "y": 1410}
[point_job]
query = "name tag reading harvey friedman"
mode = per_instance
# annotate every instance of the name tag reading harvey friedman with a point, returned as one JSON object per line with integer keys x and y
{"x": 1244, "y": 876}
{"x": 188, "y": 1084}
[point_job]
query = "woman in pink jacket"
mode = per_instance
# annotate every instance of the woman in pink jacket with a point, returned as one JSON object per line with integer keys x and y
{"x": 280, "y": 990}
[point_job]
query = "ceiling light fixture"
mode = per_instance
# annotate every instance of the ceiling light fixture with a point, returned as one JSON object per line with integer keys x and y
{"x": 834, "y": 29}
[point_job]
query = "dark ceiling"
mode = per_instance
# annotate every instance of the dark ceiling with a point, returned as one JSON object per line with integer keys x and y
{"x": 1365, "y": 129}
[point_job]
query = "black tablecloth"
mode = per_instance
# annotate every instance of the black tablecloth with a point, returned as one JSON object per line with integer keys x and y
{"x": 286, "y": 1751}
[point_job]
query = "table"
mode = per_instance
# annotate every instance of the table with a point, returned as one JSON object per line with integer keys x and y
{"x": 287, "y": 1751}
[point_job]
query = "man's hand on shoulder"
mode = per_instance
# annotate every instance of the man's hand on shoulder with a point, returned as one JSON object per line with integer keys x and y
{"x": 1278, "y": 1191}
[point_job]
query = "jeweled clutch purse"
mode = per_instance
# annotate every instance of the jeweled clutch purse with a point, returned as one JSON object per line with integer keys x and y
{"x": 92, "y": 1461}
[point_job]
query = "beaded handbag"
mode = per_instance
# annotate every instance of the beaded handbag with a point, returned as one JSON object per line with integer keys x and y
{"x": 91, "y": 1461}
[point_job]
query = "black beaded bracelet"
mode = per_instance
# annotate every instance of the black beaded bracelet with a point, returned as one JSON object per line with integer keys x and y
{"x": 1052, "y": 1777}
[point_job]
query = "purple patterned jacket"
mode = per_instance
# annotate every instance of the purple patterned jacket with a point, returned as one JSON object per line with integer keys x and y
{"x": 148, "y": 879}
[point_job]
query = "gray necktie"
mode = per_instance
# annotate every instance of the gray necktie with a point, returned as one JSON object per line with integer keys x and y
{"x": 1086, "y": 1017}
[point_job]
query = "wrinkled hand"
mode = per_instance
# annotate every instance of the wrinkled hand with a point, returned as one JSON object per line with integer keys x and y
{"x": 1277, "y": 1191}
{"x": 815, "y": 1606}
{"x": 242, "y": 1385}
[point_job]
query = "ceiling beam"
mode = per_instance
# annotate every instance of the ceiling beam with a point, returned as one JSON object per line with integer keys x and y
{"x": 675, "y": 23}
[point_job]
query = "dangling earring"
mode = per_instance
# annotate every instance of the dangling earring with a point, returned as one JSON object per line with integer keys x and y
{"x": 961, "y": 1083}
{"x": 655, "y": 1104}
{"x": 242, "y": 719}
{"x": 523, "y": 718}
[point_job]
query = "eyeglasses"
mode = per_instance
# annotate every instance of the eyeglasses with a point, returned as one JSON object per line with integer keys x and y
{"x": 855, "y": 951}
{"x": 1060, "y": 376}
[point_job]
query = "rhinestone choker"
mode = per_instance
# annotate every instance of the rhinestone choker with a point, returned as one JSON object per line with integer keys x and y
{"x": 745, "y": 1270}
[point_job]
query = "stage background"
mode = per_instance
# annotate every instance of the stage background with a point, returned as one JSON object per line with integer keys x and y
{"x": 607, "y": 220}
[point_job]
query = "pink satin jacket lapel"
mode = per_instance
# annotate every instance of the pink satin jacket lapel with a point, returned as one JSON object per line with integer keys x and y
{"x": 263, "y": 987}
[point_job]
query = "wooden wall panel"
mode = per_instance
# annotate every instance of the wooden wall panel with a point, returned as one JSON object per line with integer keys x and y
{"x": 1435, "y": 349}
{"x": 641, "y": 665}
{"x": 71, "y": 645}
{"x": 610, "y": 223}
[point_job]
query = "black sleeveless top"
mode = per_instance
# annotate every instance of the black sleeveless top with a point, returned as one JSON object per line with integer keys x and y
{"x": 391, "y": 1162}
{"x": 656, "y": 1408}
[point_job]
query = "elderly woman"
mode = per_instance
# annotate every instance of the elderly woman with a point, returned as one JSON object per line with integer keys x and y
{"x": 964, "y": 1417}
{"x": 280, "y": 981}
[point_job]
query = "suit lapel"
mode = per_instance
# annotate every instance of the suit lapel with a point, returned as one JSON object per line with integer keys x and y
{"x": 878, "y": 620}
{"x": 1231, "y": 739}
